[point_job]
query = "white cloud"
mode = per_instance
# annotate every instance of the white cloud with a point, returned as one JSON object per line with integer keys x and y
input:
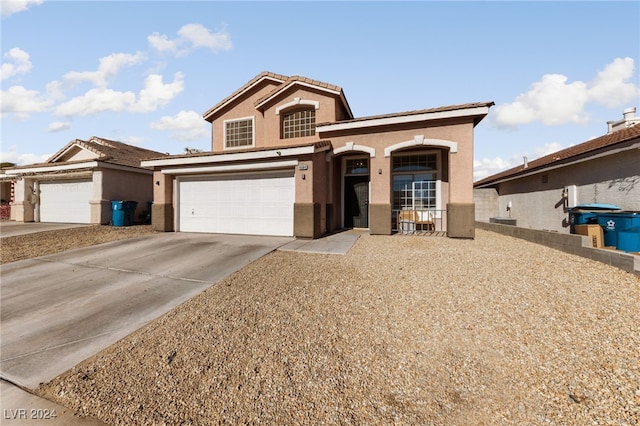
{"x": 489, "y": 166}
{"x": 95, "y": 101}
{"x": 162, "y": 43}
{"x": 9, "y": 7}
{"x": 191, "y": 37}
{"x": 108, "y": 68}
{"x": 611, "y": 87}
{"x": 154, "y": 95}
{"x": 20, "y": 159}
{"x": 19, "y": 63}
{"x": 22, "y": 102}
{"x": 554, "y": 101}
{"x": 58, "y": 126}
{"x": 186, "y": 126}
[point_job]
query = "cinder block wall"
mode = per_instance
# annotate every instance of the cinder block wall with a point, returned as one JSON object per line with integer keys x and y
{"x": 580, "y": 245}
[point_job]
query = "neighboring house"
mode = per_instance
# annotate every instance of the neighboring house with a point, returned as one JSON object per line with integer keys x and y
{"x": 289, "y": 158}
{"x": 541, "y": 192}
{"x": 78, "y": 183}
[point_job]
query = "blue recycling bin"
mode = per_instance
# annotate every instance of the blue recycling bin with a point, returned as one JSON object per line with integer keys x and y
{"x": 122, "y": 212}
{"x": 587, "y": 214}
{"x": 629, "y": 240}
{"x": 614, "y": 222}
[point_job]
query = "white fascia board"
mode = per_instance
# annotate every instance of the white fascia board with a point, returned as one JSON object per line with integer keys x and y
{"x": 296, "y": 83}
{"x": 61, "y": 167}
{"x": 558, "y": 166}
{"x": 404, "y": 119}
{"x": 232, "y": 168}
{"x": 237, "y": 156}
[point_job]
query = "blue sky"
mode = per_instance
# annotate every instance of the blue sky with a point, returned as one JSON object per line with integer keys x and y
{"x": 144, "y": 72}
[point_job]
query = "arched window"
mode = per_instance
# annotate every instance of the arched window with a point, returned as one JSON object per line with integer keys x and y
{"x": 299, "y": 123}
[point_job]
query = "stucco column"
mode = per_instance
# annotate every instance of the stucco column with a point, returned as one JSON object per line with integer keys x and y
{"x": 379, "y": 206}
{"x": 461, "y": 208}
{"x": 162, "y": 209}
{"x": 22, "y": 208}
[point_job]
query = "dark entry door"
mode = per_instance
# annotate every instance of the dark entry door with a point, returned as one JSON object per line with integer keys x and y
{"x": 356, "y": 202}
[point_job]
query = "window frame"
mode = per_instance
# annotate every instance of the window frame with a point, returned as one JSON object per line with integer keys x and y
{"x": 295, "y": 110}
{"x": 435, "y": 172}
{"x": 235, "y": 120}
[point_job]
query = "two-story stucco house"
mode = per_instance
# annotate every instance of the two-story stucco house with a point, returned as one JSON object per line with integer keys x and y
{"x": 289, "y": 158}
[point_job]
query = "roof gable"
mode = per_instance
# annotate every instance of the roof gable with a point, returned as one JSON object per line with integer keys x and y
{"x": 593, "y": 146}
{"x": 304, "y": 82}
{"x": 253, "y": 85}
{"x": 281, "y": 84}
{"x": 103, "y": 150}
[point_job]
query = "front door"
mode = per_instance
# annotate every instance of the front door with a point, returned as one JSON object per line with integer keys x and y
{"x": 356, "y": 202}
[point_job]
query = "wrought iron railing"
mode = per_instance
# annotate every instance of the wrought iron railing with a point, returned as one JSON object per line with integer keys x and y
{"x": 412, "y": 221}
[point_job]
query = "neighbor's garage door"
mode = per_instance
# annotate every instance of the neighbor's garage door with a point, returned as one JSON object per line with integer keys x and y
{"x": 254, "y": 204}
{"x": 66, "y": 201}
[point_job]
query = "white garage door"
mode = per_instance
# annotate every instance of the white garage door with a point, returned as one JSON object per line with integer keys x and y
{"x": 253, "y": 204}
{"x": 66, "y": 201}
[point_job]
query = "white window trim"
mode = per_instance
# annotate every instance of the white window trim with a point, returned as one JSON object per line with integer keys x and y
{"x": 420, "y": 140}
{"x": 253, "y": 133}
{"x": 351, "y": 146}
{"x": 297, "y": 101}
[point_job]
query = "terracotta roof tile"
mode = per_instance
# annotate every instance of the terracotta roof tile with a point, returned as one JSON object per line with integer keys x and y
{"x": 564, "y": 155}
{"x": 298, "y": 78}
{"x": 318, "y": 144}
{"x": 414, "y": 112}
{"x": 262, "y": 75}
{"x": 108, "y": 151}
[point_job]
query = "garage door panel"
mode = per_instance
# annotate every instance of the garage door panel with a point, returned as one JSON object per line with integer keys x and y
{"x": 256, "y": 204}
{"x": 66, "y": 201}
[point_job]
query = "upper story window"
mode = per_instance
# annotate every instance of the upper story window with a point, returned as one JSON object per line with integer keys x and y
{"x": 239, "y": 133}
{"x": 299, "y": 123}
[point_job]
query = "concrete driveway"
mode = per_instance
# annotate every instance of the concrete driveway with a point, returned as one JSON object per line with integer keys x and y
{"x": 60, "y": 309}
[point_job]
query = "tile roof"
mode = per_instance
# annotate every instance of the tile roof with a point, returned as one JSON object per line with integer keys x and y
{"x": 590, "y": 147}
{"x": 318, "y": 145}
{"x": 415, "y": 112}
{"x": 299, "y": 79}
{"x": 265, "y": 75}
{"x": 108, "y": 151}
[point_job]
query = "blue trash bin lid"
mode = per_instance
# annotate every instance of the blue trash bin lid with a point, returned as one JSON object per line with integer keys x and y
{"x": 597, "y": 206}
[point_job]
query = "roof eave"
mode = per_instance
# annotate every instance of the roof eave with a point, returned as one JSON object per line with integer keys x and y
{"x": 213, "y": 110}
{"x": 478, "y": 112}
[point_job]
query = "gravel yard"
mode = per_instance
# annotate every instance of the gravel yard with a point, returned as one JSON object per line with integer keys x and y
{"x": 43, "y": 243}
{"x": 401, "y": 330}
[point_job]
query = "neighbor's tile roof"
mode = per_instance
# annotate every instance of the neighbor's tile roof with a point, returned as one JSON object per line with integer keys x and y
{"x": 565, "y": 155}
{"x": 108, "y": 151}
{"x": 117, "y": 152}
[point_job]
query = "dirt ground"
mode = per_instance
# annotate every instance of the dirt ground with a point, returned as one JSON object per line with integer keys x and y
{"x": 402, "y": 330}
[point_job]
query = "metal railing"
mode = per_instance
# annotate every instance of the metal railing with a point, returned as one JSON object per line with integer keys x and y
{"x": 414, "y": 221}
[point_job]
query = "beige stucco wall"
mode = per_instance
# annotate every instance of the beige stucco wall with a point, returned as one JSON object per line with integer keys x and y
{"x": 121, "y": 185}
{"x": 459, "y": 168}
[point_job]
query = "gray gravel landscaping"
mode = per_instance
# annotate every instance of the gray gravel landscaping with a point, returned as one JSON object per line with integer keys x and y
{"x": 401, "y": 330}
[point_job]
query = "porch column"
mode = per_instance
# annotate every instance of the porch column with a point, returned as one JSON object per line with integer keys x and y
{"x": 22, "y": 209}
{"x": 380, "y": 207}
